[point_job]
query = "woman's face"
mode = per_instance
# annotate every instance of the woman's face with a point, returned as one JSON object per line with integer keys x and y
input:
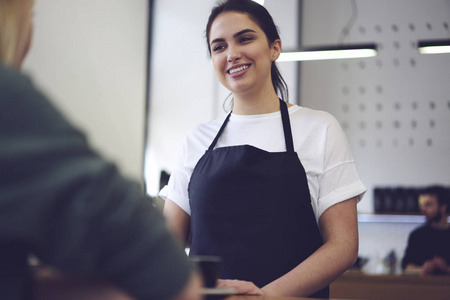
{"x": 241, "y": 54}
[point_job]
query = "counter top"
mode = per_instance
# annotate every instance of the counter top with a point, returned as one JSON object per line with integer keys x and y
{"x": 358, "y": 285}
{"x": 244, "y": 297}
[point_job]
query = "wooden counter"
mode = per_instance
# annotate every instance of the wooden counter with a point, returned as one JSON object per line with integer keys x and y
{"x": 357, "y": 285}
{"x": 243, "y": 297}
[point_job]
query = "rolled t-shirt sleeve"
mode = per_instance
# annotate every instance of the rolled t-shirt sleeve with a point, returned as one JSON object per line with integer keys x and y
{"x": 168, "y": 192}
{"x": 339, "y": 180}
{"x": 176, "y": 189}
{"x": 346, "y": 183}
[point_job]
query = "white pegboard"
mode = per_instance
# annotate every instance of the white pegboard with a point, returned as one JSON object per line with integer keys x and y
{"x": 394, "y": 108}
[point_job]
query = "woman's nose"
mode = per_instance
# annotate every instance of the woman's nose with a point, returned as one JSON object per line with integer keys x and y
{"x": 233, "y": 54}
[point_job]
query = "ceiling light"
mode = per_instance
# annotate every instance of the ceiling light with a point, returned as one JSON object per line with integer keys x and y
{"x": 434, "y": 46}
{"x": 330, "y": 52}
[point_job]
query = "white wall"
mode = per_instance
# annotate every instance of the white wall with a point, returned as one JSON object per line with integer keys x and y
{"x": 183, "y": 84}
{"x": 395, "y": 108}
{"x": 89, "y": 57}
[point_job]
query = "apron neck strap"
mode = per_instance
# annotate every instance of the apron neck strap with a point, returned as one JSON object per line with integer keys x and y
{"x": 213, "y": 144}
{"x": 286, "y": 128}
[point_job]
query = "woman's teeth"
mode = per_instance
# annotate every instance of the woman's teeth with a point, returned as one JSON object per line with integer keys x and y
{"x": 232, "y": 71}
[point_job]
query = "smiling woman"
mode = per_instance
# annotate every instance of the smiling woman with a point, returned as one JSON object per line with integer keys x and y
{"x": 250, "y": 32}
{"x": 272, "y": 188}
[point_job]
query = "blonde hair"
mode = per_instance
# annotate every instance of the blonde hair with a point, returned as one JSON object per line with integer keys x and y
{"x": 11, "y": 23}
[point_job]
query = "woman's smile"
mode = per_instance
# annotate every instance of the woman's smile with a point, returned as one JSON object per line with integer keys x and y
{"x": 238, "y": 70}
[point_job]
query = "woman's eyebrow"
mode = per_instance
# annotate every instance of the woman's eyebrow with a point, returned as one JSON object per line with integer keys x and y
{"x": 242, "y": 32}
{"x": 237, "y": 34}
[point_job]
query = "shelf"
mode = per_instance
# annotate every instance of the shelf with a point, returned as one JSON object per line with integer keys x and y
{"x": 387, "y": 218}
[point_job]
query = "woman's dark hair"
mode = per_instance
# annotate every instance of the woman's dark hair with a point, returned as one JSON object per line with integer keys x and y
{"x": 260, "y": 16}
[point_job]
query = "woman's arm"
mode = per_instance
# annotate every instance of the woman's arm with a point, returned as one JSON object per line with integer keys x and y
{"x": 178, "y": 221}
{"x": 339, "y": 228}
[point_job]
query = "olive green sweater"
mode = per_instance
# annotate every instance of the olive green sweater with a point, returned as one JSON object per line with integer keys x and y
{"x": 72, "y": 209}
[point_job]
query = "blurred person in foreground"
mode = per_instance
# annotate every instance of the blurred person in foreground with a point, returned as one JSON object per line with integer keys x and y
{"x": 94, "y": 232}
{"x": 428, "y": 249}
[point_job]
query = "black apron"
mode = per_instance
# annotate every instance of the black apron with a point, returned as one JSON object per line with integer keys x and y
{"x": 253, "y": 208}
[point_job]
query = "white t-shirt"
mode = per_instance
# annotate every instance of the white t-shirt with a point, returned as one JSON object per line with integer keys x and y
{"x": 319, "y": 141}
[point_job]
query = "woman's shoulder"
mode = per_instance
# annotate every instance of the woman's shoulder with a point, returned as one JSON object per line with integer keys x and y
{"x": 311, "y": 117}
{"x": 207, "y": 128}
{"x": 203, "y": 134}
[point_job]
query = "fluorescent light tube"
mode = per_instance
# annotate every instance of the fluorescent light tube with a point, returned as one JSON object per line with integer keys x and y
{"x": 331, "y": 52}
{"x": 434, "y": 46}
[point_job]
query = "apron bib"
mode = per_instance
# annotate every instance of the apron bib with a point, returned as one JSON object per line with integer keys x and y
{"x": 253, "y": 208}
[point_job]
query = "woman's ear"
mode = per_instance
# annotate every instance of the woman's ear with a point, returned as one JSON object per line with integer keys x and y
{"x": 275, "y": 50}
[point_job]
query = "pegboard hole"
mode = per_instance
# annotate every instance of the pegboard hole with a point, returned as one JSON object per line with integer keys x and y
{"x": 362, "y": 90}
{"x": 379, "y": 106}
{"x": 345, "y": 108}
{"x": 345, "y": 90}
{"x": 379, "y": 124}
{"x": 362, "y": 125}
{"x": 362, "y": 107}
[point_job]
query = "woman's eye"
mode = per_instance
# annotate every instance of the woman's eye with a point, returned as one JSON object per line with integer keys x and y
{"x": 218, "y": 47}
{"x": 245, "y": 39}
